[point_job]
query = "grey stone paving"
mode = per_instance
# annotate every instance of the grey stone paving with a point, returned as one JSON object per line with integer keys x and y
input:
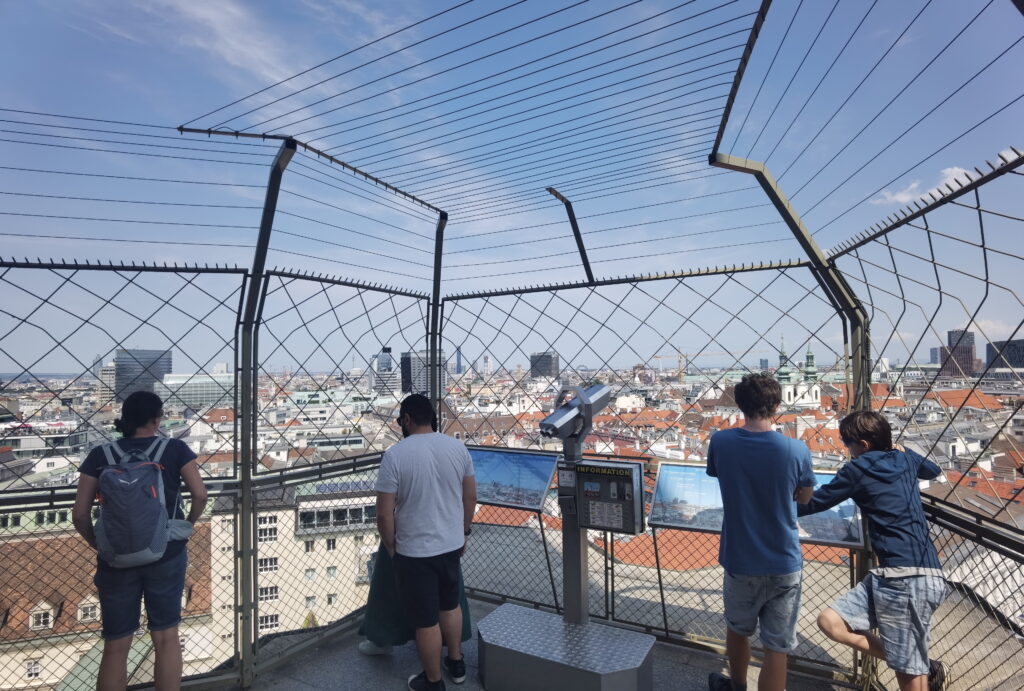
{"x": 337, "y": 664}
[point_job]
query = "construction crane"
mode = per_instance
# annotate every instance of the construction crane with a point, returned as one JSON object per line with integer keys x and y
{"x": 683, "y": 359}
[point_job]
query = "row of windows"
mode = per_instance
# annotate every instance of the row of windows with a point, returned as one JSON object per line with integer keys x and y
{"x": 330, "y": 544}
{"x": 328, "y": 518}
{"x": 43, "y": 619}
{"x": 42, "y": 518}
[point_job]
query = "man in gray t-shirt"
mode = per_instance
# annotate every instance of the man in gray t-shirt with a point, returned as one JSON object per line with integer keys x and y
{"x": 426, "y": 497}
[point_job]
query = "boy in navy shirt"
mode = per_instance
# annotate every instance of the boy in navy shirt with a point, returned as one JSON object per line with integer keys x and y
{"x": 899, "y": 597}
{"x": 760, "y": 473}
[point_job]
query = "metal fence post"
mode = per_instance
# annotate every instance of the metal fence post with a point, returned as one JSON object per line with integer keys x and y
{"x": 434, "y": 332}
{"x": 247, "y": 516}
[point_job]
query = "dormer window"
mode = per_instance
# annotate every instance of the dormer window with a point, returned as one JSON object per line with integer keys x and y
{"x": 88, "y": 612}
{"x": 41, "y": 618}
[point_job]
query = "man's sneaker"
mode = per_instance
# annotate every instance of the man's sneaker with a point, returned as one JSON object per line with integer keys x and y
{"x": 936, "y": 676}
{"x": 368, "y": 647}
{"x": 720, "y": 682}
{"x": 418, "y": 682}
{"x": 456, "y": 669}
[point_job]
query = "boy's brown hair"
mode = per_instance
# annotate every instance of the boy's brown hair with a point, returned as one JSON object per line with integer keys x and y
{"x": 869, "y": 426}
{"x": 758, "y": 395}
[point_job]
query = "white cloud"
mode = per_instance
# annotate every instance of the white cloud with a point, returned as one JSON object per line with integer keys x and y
{"x": 912, "y": 191}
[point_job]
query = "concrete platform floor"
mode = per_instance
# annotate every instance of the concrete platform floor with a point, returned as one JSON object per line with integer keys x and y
{"x": 337, "y": 664}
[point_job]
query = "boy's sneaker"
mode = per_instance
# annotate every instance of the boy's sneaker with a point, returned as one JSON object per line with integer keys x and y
{"x": 368, "y": 647}
{"x": 418, "y": 682}
{"x": 720, "y": 682}
{"x": 456, "y": 668}
{"x": 937, "y": 676}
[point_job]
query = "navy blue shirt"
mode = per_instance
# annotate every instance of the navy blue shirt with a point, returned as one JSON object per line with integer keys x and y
{"x": 175, "y": 456}
{"x": 884, "y": 484}
{"x": 758, "y": 474}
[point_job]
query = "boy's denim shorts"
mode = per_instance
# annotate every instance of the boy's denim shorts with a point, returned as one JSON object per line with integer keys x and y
{"x": 774, "y": 601}
{"x": 121, "y": 592}
{"x": 901, "y": 609}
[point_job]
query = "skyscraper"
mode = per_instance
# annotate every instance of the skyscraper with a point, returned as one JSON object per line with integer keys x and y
{"x": 458, "y": 360}
{"x": 764, "y": 363}
{"x": 544, "y": 364}
{"x": 415, "y": 370}
{"x": 384, "y": 361}
{"x": 958, "y": 354}
{"x": 138, "y": 370}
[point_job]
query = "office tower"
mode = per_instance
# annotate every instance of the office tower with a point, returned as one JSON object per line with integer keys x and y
{"x": 196, "y": 391}
{"x": 384, "y": 361}
{"x": 415, "y": 372}
{"x": 934, "y": 355}
{"x": 544, "y": 364}
{"x": 1012, "y": 355}
{"x": 487, "y": 366}
{"x": 138, "y": 370}
{"x": 458, "y": 360}
{"x": 958, "y": 354}
{"x": 764, "y": 364}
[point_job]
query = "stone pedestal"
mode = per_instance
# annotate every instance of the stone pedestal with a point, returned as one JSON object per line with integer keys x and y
{"x": 522, "y": 648}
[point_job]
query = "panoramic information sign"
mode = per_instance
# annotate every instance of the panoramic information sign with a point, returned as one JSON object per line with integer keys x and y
{"x": 686, "y": 497}
{"x": 505, "y": 477}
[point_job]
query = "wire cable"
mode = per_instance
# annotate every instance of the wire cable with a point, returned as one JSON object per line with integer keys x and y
{"x": 133, "y": 178}
{"x": 322, "y": 64}
{"x": 132, "y": 153}
{"x": 443, "y": 97}
{"x": 131, "y": 201}
{"x": 176, "y": 136}
{"x": 147, "y": 144}
{"x": 78, "y": 117}
{"x": 410, "y": 67}
{"x": 923, "y": 160}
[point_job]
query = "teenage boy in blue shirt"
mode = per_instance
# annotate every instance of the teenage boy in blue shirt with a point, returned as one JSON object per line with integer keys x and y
{"x": 760, "y": 473}
{"x": 899, "y": 597}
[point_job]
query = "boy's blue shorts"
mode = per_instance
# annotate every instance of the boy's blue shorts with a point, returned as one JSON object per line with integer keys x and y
{"x": 121, "y": 592}
{"x": 901, "y": 609}
{"x": 771, "y": 601}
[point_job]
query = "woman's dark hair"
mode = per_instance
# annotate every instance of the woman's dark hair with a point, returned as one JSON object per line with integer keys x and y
{"x": 758, "y": 395}
{"x": 138, "y": 409}
{"x": 869, "y": 426}
{"x": 417, "y": 406}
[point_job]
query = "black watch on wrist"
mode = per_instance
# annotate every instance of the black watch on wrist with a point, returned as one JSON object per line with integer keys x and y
{"x": 469, "y": 531}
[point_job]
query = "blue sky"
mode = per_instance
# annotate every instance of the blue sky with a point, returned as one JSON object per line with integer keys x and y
{"x": 167, "y": 62}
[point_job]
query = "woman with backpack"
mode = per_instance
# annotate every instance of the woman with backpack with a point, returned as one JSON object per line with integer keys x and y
{"x": 139, "y": 537}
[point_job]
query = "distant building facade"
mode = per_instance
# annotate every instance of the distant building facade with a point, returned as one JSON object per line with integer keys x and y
{"x": 196, "y": 391}
{"x": 544, "y": 364}
{"x": 415, "y": 371}
{"x": 133, "y": 370}
{"x": 1012, "y": 353}
{"x": 957, "y": 356}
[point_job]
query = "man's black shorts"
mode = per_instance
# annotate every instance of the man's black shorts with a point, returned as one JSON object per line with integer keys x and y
{"x": 428, "y": 585}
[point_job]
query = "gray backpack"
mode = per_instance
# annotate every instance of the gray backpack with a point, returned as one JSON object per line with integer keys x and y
{"x": 133, "y": 527}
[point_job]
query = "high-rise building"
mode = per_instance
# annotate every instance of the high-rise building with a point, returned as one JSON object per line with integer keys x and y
{"x": 544, "y": 364}
{"x": 458, "y": 360}
{"x": 1012, "y": 353}
{"x": 135, "y": 370}
{"x": 415, "y": 371}
{"x": 384, "y": 361}
{"x": 934, "y": 355}
{"x": 958, "y": 355}
{"x": 764, "y": 364}
{"x": 487, "y": 367}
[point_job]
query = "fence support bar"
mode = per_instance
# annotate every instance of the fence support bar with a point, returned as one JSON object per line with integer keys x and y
{"x": 575, "y": 231}
{"x": 434, "y": 334}
{"x": 834, "y": 284}
{"x": 247, "y": 517}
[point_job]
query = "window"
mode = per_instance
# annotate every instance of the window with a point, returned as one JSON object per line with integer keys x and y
{"x": 370, "y": 514}
{"x": 332, "y": 571}
{"x": 62, "y": 516}
{"x": 266, "y": 534}
{"x": 15, "y": 521}
{"x": 268, "y": 622}
{"x": 310, "y": 601}
{"x": 341, "y": 517}
{"x": 226, "y": 577}
{"x": 363, "y": 569}
{"x": 268, "y": 565}
{"x": 309, "y": 544}
{"x": 33, "y": 668}
{"x": 87, "y": 613}
{"x": 310, "y": 574}
{"x": 268, "y": 594}
{"x": 4, "y": 520}
{"x": 51, "y": 517}
{"x": 355, "y": 515}
{"x": 40, "y": 517}
{"x": 266, "y": 520}
{"x": 332, "y": 544}
{"x": 41, "y": 620}
{"x": 309, "y": 520}
{"x": 332, "y": 598}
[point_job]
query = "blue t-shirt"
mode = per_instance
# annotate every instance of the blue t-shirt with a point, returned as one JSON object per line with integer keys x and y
{"x": 758, "y": 474}
{"x": 175, "y": 456}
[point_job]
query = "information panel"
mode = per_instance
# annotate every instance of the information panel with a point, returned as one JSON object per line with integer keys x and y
{"x": 685, "y": 496}
{"x": 609, "y": 496}
{"x": 505, "y": 477}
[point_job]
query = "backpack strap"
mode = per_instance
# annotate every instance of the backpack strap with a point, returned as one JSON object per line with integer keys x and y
{"x": 155, "y": 451}
{"x": 109, "y": 450}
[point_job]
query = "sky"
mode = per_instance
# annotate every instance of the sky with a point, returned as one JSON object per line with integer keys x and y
{"x": 857, "y": 108}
